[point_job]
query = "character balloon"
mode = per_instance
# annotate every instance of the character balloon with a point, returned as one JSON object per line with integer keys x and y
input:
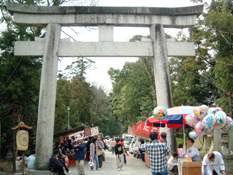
{"x": 221, "y": 118}
{"x": 193, "y": 135}
{"x": 160, "y": 111}
{"x": 209, "y": 121}
{"x": 191, "y": 120}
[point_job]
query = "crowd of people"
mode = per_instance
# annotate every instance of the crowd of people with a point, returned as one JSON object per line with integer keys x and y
{"x": 72, "y": 152}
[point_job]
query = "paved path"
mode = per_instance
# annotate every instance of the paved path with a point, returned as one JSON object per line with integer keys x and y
{"x": 134, "y": 167}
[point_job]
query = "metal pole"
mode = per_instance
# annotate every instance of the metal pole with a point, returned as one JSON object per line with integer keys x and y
{"x": 68, "y": 115}
{"x": 183, "y": 125}
{"x": 23, "y": 163}
{"x": 14, "y": 152}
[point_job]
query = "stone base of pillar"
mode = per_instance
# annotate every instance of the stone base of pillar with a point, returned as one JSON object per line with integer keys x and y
{"x": 39, "y": 172}
{"x": 228, "y": 160}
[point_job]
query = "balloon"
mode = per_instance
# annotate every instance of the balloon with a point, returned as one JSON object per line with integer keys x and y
{"x": 191, "y": 120}
{"x": 209, "y": 121}
{"x": 203, "y": 111}
{"x": 160, "y": 111}
{"x": 199, "y": 128}
{"x": 193, "y": 135}
{"x": 221, "y": 118}
{"x": 197, "y": 112}
{"x": 213, "y": 110}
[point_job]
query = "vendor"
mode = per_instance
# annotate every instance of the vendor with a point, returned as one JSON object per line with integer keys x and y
{"x": 192, "y": 151}
{"x": 213, "y": 164}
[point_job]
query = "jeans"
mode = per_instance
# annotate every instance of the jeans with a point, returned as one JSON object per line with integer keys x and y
{"x": 96, "y": 162}
{"x": 100, "y": 159}
{"x": 160, "y": 173}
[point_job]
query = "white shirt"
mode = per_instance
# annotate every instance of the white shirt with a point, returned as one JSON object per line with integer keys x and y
{"x": 193, "y": 153}
{"x": 172, "y": 162}
{"x": 31, "y": 160}
{"x": 209, "y": 166}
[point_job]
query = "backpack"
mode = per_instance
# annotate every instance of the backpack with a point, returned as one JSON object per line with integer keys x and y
{"x": 119, "y": 149}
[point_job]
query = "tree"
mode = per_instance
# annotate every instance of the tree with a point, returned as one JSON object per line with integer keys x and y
{"x": 19, "y": 77}
{"x": 132, "y": 97}
{"x": 215, "y": 37}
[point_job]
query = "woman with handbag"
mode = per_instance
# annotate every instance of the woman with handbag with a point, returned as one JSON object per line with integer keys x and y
{"x": 100, "y": 150}
{"x": 93, "y": 155}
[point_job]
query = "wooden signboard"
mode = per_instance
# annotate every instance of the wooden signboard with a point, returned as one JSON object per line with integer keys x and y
{"x": 22, "y": 140}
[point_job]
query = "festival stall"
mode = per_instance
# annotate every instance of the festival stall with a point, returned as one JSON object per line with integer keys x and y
{"x": 203, "y": 119}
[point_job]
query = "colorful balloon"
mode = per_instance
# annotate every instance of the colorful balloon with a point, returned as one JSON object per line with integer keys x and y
{"x": 193, "y": 135}
{"x": 209, "y": 121}
{"x": 160, "y": 111}
{"x": 203, "y": 111}
{"x": 197, "y": 112}
{"x": 220, "y": 117}
{"x": 191, "y": 120}
{"x": 198, "y": 128}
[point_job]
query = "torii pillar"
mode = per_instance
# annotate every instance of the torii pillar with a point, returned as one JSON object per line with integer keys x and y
{"x": 47, "y": 98}
{"x": 161, "y": 75}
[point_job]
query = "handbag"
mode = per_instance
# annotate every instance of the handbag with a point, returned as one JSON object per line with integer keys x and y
{"x": 99, "y": 152}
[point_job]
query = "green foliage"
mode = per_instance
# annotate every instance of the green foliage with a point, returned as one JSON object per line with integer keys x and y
{"x": 214, "y": 37}
{"x": 79, "y": 67}
{"x": 76, "y": 94}
{"x": 190, "y": 82}
{"x": 220, "y": 21}
{"x": 132, "y": 92}
{"x": 89, "y": 106}
{"x": 19, "y": 76}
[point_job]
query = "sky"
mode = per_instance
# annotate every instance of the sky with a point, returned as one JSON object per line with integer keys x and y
{"x": 98, "y": 74}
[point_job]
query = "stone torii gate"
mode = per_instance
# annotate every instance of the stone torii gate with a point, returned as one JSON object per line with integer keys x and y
{"x": 51, "y": 47}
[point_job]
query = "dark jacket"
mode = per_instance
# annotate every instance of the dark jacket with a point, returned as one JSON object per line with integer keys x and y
{"x": 80, "y": 151}
{"x": 119, "y": 149}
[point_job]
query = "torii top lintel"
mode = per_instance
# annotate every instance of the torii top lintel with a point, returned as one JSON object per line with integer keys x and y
{"x": 95, "y": 15}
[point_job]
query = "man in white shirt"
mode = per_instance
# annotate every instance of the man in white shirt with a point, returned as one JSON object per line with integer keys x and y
{"x": 192, "y": 151}
{"x": 31, "y": 160}
{"x": 213, "y": 164}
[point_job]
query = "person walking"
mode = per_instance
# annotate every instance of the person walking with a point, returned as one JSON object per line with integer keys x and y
{"x": 112, "y": 145}
{"x": 80, "y": 151}
{"x": 213, "y": 164}
{"x": 119, "y": 151}
{"x": 158, "y": 153}
{"x": 93, "y": 156}
{"x": 100, "y": 150}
